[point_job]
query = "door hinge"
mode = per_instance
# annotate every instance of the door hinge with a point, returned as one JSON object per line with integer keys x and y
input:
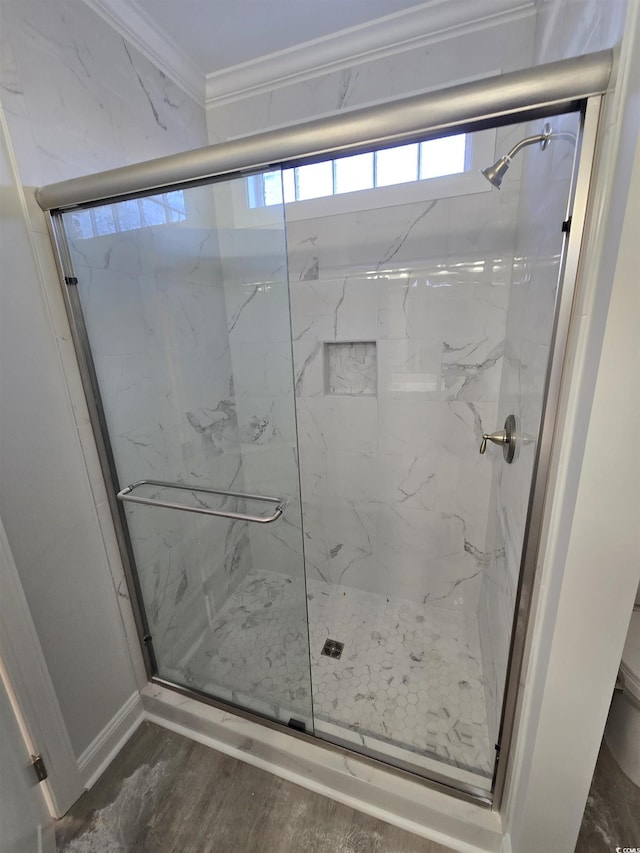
{"x": 566, "y": 226}
{"x": 70, "y": 279}
{"x": 38, "y": 765}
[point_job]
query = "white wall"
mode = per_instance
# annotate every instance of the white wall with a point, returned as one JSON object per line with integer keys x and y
{"x": 591, "y": 550}
{"x": 77, "y": 99}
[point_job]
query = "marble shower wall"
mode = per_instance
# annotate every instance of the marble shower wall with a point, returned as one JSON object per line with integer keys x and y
{"x": 395, "y": 493}
{"x": 154, "y": 305}
{"x": 545, "y": 185}
{"x": 77, "y": 99}
{"x": 254, "y": 264}
{"x": 358, "y": 264}
{"x": 494, "y": 47}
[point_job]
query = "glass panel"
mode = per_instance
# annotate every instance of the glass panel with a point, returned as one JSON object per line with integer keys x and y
{"x": 315, "y": 180}
{"x": 289, "y": 184}
{"x": 272, "y": 188}
{"x": 188, "y": 323}
{"x": 442, "y": 156}
{"x": 397, "y": 165}
{"x": 414, "y": 329}
{"x": 412, "y": 538}
{"x": 354, "y": 173}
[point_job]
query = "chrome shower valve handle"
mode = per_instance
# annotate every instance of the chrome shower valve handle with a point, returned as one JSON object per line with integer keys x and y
{"x": 499, "y": 437}
{"x": 506, "y": 438}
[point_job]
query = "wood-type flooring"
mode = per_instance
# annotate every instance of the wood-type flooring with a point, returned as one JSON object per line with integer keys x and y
{"x": 164, "y": 793}
{"x": 612, "y": 816}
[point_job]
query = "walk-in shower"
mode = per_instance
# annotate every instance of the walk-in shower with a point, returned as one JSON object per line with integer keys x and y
{"x": 292, "y": 393}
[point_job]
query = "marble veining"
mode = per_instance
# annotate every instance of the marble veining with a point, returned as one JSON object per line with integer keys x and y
{"x": 544, "y": 188}
{"x": 409, "y": 676}
{"x": 351, "y": 368}
{"x": 393, "y": 485}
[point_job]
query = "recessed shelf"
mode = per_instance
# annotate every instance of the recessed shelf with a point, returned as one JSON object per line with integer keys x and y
{"x": 351, "y": 369}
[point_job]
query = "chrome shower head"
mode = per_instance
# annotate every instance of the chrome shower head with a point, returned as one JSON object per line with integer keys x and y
{"x": 495, "y": 173}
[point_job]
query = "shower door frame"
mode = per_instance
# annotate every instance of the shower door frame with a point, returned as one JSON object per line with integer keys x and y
{"x": 56, "y": 199}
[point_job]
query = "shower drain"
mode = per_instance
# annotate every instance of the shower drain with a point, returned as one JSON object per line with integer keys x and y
{"x": 332, "y": 648}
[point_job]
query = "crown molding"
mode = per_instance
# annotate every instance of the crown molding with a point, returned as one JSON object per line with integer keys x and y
{"x": 154, "y": 43}
{"x": 412, "y": 28}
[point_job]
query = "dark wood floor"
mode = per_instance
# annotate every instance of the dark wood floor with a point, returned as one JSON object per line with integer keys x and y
{"x": 612, "y": 816}
{"x": 167, "y": 794}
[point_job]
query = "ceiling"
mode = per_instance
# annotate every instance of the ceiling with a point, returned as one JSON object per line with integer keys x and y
{"x": 219, "y": 34}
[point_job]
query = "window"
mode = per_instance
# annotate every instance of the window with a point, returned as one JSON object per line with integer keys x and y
{"x": 402, "y": 164}
{"x": 128, "y": 215}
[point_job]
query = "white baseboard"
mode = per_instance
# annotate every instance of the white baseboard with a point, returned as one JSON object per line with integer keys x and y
{"x": 104, "y": 748}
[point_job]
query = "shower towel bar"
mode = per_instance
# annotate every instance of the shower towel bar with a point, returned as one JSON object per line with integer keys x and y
{"x": 126, "y": 495}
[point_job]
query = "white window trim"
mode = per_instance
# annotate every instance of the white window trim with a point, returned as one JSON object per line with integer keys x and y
{"x": 462, "y": 183}
{"x": 468, "y": 182}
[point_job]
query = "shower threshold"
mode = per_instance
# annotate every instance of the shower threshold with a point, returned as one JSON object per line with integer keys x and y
{"x": 407, "y": 689}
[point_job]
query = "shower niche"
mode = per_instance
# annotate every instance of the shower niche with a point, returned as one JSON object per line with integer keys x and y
{"x": 343, "y": 366}
{"x": 350, "y": 368}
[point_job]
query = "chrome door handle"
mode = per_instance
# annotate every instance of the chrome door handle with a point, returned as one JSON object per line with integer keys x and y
{"x": 126, "y": 496}
{"x": 506, "y": 438}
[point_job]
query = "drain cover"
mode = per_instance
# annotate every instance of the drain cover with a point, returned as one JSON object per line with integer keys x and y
{"x": 332, "y": 648}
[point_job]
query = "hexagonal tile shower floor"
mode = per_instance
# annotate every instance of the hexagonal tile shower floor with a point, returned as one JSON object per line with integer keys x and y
{"x": 408, "y": 683}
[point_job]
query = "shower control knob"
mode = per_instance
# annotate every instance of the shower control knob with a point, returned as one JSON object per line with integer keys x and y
{"x": 496, "y": 437}
{"x": 506, "y": 438}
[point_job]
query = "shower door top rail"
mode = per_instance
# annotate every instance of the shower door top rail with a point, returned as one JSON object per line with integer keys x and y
{"x": 126, "y": 496}
{"x": 545, "y": 89}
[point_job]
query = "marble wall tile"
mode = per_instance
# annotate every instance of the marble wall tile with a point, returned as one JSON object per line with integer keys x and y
{"x": 351, "y": 368}
{"x": 375, "y": 478}
{"x": 503, "y": 47}
{"x": 544, "y": 189}
{"x": 156, "y": 312}
{"x": 410, "y": 368}
{"x": 259, "y": 335}
{"x": 443, "y": 320}
{"x": 74, "y": 97}
{"x": 471, "y": 371}
{"x": 394, "y": 485}
{"x": 338, "y": 423}
{"x": 92, "y": 100}
{"x": 335, "y": 309}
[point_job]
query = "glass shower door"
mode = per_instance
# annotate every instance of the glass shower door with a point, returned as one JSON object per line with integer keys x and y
{"x": 419, "y": 324}
{"x": 184, "y": 296}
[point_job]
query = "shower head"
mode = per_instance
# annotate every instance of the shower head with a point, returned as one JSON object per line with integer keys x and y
{"x": 495, "y": 173}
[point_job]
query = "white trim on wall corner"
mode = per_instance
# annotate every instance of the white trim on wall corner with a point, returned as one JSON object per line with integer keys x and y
{"x": 27, "y": 680}
{"x": 412, "y": 28}
{"x": 506, "y": 845}
{"x": 104, "y": 748}
{"x": 154, "y": 43}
